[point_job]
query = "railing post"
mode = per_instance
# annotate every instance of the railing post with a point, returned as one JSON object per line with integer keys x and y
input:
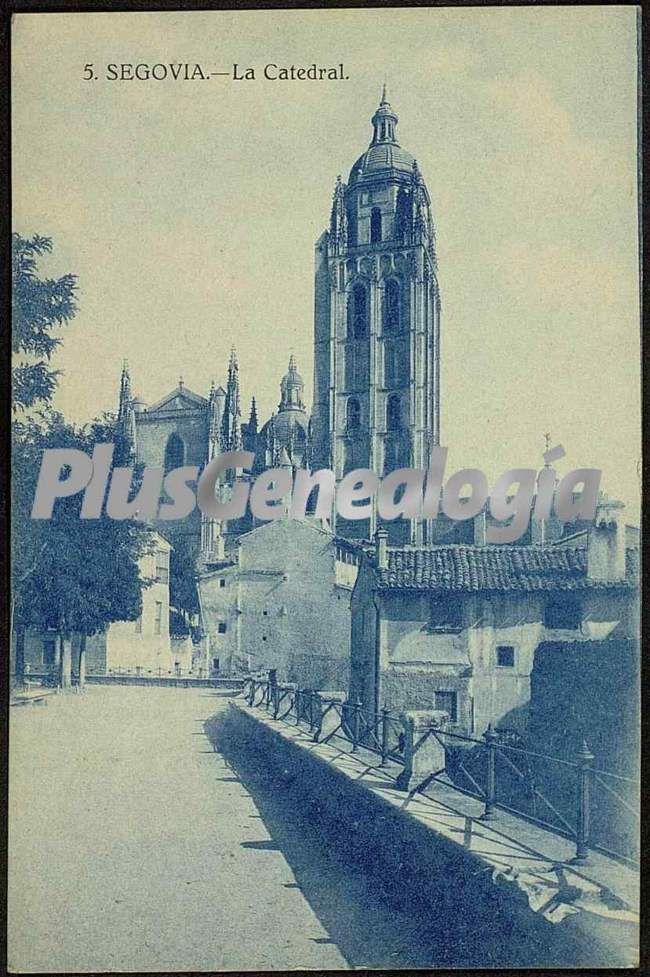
{"x": 272, "y": 679}
{"x": 311, "y": 711}
{"x": 585, "y": 758}
{"x": 329, "y": 706}
{"x": 276, "y": 700}
{"x": 356, "y": 717}
{"x": 490, "y": 737}
{"x": 251, "y": 692}
{"x": 384, "y": 736}
{"x": 424, "y": 754}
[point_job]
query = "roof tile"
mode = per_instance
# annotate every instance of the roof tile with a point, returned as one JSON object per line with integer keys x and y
{"x": 527, "y": 568}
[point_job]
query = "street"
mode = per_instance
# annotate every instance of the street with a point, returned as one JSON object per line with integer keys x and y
{"x": 136, "y": 845}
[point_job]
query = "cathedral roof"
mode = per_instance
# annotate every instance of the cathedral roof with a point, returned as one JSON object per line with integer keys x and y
{"x": 379, "y": 159}
{"x": 182, "y": 398}
{"x": 285, "y": 421}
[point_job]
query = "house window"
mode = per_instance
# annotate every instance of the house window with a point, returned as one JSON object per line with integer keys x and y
{"x": 221, "y": 627}
{"x": 215, "y": 664}
{"x": 162, "y": 567}
{"x": 505, "y": 656}
{"x": 265, "y": 613}
{"x": 138, "y": 624}
{"x": 563, "y": 613}
{"x": 446, "y": 614}
{"x": 222, "y": 582}
{"x": 375, "y": 225}
{"x": 447, "y": 701}
{"x": 157, "y": 623}
{"x": 49, "y": 653}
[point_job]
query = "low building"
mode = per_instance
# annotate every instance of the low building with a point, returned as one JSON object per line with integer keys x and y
{"x": 456, "y": 627}
{"x": 140, "y": 646}
{"x": 282, "y": 602}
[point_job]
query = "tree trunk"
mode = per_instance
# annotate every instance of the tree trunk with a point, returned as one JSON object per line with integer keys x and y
{"x": 65, "y": 660}
{"x": 82, "y": 663}
{"x": 19, "y": 661}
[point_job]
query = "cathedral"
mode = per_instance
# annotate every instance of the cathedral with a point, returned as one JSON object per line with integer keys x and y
{"x": 376, "y": 400}
{"x": 185, "y": 428}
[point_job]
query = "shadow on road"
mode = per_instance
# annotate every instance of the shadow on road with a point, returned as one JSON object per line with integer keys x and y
{"x": 360, "y": 911}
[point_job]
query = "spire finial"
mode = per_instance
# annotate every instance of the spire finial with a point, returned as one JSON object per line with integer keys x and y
{"x": 384, "y": 120}
{"x": 181, "y": 382}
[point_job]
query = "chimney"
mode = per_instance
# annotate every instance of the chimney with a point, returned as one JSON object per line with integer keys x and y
{"x": 381, "y": 549}
{"x": 480, "y": 528}
{"x": 606, "y": 543}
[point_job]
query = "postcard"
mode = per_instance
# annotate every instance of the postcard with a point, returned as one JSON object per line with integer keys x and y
{"x": 325, "y": 490}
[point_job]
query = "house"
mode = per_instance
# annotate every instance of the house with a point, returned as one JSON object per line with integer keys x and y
{"x": 282, "y": 602}
{"x": 456, "y": 627}
{"x": 141, "y": 646}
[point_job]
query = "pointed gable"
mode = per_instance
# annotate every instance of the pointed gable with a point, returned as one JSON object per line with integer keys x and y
{"x": 179, "y": 399}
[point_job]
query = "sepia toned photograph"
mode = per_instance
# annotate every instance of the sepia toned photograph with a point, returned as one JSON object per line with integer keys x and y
{"x": 324, "y": 647}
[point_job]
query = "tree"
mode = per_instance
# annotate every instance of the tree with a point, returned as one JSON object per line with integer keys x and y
{"x": 183, "y": 596}
{"x": 70, "y": 574}
{"x": 38, "y": 306}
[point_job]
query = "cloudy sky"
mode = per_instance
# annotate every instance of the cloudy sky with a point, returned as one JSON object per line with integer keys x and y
{"x": 189, "y": 210}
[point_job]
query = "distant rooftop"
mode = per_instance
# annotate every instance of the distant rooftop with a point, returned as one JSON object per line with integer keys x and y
{"x": 474, "y": 568}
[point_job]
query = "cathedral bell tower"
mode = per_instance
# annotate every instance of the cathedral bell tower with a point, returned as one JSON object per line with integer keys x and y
{"x": 377, "y": 324}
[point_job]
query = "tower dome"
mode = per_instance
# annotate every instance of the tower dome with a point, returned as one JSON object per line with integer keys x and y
{"x": 384, "y": 155}
{"x": 292, "y": 388}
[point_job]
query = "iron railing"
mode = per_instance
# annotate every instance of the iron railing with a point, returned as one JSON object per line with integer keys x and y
{"x": 596, "y": 809}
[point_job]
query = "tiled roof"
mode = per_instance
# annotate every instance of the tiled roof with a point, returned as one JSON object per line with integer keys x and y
{"x": 472, "y": 568}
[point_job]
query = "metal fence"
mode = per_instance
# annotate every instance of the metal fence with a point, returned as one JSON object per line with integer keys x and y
{"x": 595, "y": 808}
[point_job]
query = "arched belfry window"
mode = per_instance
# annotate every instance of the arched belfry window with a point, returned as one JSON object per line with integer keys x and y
{"x": 392, "y": 306}
{"x": 357, "y": 312}
{"x": 393, "y": 413}
{"x": 375, "y": 225}
{"x": 174, "y": 453}
{"x": 352, "y": 414}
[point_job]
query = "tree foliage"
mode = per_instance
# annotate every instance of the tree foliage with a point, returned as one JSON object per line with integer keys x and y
{"x": 71, "y": 574}
{"x": 183, "y": 595}
{"x": 38, "y": 306}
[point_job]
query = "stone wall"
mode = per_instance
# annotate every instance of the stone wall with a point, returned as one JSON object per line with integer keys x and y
{"x": 478, "y": 922}
{"x": 281, "y": 606}
{"x": 589, "y": 692}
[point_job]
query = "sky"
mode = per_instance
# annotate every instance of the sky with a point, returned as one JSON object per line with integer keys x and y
{"x": 189, "y": 210}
